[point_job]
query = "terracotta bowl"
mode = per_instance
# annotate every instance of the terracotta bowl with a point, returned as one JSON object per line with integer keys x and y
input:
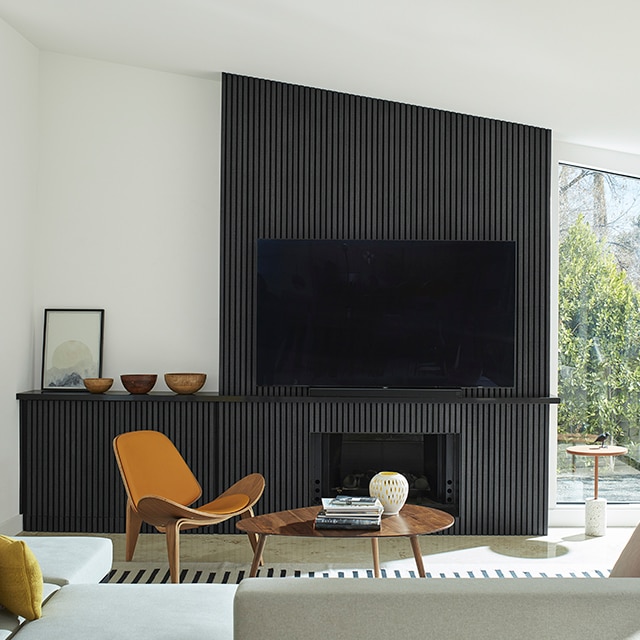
{"x": 98, "y": 385}
{"x": 185, "y": 382}
{"x": 139, "y": 382}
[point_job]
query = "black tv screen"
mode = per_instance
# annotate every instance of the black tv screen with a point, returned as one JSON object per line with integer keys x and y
{"x": 385, "y": 313}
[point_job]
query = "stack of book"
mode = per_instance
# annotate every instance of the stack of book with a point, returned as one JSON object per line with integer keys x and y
{"x": 350, "y": 512}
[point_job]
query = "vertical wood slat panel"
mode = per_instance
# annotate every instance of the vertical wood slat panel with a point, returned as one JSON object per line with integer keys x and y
{"x": 77, "y": 486}
{"x": 501, "y": 479}
{"x": 375, "y": 169}
{"x": 300, "y": 162}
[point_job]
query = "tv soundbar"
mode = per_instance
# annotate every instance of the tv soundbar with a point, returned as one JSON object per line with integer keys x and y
{"x": 346, "y": 392}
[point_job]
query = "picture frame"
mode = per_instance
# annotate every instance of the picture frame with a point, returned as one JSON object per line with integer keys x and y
{"x": 71, "y": 348}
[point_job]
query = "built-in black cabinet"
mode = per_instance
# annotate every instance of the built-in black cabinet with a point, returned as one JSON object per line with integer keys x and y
{"x": 70, "y": 482}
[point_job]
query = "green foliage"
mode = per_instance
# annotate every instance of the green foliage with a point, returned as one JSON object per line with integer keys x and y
{"x": 599, "y": 338}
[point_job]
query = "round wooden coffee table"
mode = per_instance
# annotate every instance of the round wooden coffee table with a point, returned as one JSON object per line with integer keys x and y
{"x": 411, "y": 522}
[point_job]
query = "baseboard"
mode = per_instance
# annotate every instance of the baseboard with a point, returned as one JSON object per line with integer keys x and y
{"x": 12, "y": 526}
{"x": 573, "y": 515}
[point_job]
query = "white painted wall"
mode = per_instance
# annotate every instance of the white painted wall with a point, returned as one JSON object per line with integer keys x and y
{"x": 18, "y": 166}
{"x": 128, "y": 212}
{"x": 109, "y": 199}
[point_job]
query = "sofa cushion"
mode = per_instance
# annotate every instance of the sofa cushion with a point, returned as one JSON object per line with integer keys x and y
{"x": 158, "y": 611}
{"x": 9, "y": 622}
{"x": 71, "y": 559}
{"x": 449, "y": 609}
{"x": 20, "y": 579}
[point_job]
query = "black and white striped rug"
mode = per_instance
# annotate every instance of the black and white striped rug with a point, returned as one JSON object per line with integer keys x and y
{"x": 228, "y": 573}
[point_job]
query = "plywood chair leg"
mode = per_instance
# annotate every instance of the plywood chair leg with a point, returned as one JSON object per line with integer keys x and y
{"x": 172, "y": 533}
{"x": 253, "y": 538}
{"x": 133, "y": 522}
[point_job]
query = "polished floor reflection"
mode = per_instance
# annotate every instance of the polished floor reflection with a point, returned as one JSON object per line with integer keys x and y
{"x": 566, "y": 549}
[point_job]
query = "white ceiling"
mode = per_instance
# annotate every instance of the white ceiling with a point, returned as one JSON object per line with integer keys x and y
{"x": 569, "y": 65}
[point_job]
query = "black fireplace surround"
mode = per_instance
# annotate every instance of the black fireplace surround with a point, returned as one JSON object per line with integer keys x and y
{"x": 345, "y": 463}
{"x": 303, "y": 163}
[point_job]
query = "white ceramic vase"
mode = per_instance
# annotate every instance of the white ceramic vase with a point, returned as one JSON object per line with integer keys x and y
{"x": 391, "y": 488}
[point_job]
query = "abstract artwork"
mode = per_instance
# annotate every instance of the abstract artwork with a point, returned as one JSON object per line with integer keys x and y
{"x": 72, "y": 347}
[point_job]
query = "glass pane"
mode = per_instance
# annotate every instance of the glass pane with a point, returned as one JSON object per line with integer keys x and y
{"x": 599, "y": 331}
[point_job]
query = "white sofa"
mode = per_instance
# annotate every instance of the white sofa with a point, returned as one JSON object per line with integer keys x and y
{"x": 135, "y": 611}
{"x": 445, "y": 609}
{"x": 315, "y": 608}
{"x": 442, "y": 609}
{"x": 76, "y": 606}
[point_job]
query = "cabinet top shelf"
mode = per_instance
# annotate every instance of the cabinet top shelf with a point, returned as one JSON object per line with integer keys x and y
{"x": 208, "y": 396}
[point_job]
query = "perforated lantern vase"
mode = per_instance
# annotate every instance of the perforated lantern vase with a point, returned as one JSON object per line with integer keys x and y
{"x": 391, "y": 488}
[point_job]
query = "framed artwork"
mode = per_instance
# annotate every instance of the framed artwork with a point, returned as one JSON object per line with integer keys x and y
{"x": 72, "y": 347}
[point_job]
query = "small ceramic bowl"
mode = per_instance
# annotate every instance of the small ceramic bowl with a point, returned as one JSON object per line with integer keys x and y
{"x": 139, "y": 382}
{"x": 185, "y": 383}
{"x": 98, "y": 385}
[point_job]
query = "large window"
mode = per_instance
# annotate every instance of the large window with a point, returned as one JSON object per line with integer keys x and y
{"x": 599, "y": 330}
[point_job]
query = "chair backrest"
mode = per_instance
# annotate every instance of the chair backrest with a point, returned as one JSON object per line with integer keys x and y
{"x": 151, "y": 465}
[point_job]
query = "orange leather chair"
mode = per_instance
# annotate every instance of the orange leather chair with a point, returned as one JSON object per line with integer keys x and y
{"x": 160, "y": 487}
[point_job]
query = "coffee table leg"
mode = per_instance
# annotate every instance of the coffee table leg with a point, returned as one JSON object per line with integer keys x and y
{"x": 417, "y": 554}
{"x": 257, "y": 555}
{"x": 376, "y": 557}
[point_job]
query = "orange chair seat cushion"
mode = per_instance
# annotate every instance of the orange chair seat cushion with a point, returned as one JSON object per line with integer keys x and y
{"x": 226, "y": 504}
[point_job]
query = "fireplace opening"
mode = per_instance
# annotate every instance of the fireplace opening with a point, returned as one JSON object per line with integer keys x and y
{"x": 344, "y": 463}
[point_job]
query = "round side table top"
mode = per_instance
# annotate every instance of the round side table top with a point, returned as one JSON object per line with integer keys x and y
{"x": 596, "y": 450}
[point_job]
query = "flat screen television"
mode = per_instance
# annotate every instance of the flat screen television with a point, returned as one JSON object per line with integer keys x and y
{"x": 391, "y": 314}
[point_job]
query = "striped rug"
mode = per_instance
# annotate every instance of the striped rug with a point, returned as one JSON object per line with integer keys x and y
{"x": 228, "y": 573}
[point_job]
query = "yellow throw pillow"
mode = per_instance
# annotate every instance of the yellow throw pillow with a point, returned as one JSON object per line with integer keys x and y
{"x": 20, "y": 579}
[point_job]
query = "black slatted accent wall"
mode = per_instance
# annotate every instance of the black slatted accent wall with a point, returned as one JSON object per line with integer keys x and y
{"x": 307, "y": 163}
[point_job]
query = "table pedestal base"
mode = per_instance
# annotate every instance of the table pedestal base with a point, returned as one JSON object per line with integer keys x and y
{"x": 595, "y": 523}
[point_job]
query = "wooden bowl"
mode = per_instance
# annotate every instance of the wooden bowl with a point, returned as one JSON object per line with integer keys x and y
{"x": 98, "y": 385}
{"x": 185, "y": 382}
{"x": 138, "y": 382}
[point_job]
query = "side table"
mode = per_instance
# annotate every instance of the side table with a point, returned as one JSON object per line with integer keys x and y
{"x": 595, "y": 508}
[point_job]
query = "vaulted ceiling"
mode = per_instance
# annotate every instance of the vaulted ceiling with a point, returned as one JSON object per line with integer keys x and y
{"x": 569, "y": 65}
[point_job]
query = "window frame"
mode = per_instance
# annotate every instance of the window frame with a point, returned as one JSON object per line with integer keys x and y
{"x": 609, "y": 161}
